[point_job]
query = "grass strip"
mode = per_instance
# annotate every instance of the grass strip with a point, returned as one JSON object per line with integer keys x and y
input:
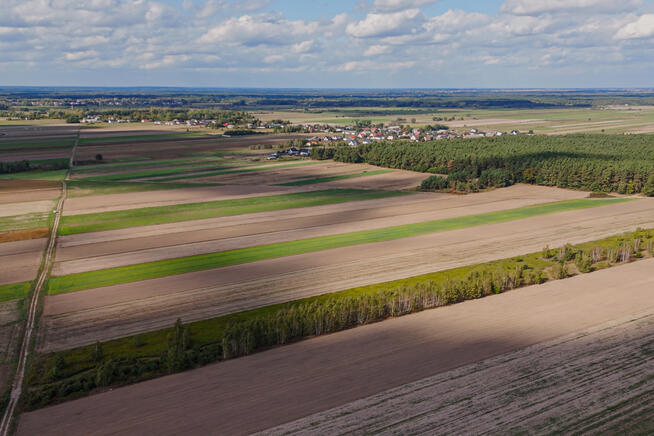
{"x": 13, "y": 291}
{"x": 333, "y": 178}
{"x": 181, "y": 265}
{"x": 145, "y": 163}
{"x": 120, "y": 219}
{"x": 244, "y": 170}
{"x": 37, "y": 175}
{"x": 25, "y": 221}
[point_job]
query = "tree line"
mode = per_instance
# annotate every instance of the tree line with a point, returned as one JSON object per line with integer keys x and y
{"x": 606, "y": 163}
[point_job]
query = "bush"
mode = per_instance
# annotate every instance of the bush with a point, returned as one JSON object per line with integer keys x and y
{"x": 434, "y": 183}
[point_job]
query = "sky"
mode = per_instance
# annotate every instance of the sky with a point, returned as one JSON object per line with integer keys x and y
{"x": 328, "y": 44}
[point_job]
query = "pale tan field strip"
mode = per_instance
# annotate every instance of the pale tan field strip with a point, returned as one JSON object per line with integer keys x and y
{"x": 594, "y": 382}
{"x": 24, "y": 207}
{"x": 137, "y": 200}
{"x": 21, "y": 191}
{"x": 20, "y": 260}
{"x": 98, "y": 250}
{"x": 287, "y": 383}
{"x": 80, "y": 318}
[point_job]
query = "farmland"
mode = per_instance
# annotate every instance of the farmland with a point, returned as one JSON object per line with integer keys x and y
{"x": 161, "y": 225}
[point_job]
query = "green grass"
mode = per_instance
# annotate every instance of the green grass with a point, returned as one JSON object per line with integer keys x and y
{"x": 25, "y": 221}
{"x": 138, "y": 138}
{"x": 236, "y": 171}
{"x": 35, "y": 144}
{"x": 181, "y": 265}
{"x": 333, "y": 178}
{"x": 13, "y": 291}
{"x": 145, "y": 163}
{"x": 211, "y": 209}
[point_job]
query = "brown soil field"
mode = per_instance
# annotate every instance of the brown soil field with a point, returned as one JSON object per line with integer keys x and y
{"x": 81, "y": 318}
{"x": 20, "y": 260}
{"x": 167, "y": 148}
{"x": 21, "y": 235}
{"x": 97, "y": 250}
{"x": 592, "y": 382}
{"x": 287, "y": 383}
{"x": 135, "y": 200}
{"x": 18, "y": 191}
{"x": 26, "y": 130}
{"x": 108, "y": 132}
{"x": 13, "y": 155}
{"x": 13, "y": 209}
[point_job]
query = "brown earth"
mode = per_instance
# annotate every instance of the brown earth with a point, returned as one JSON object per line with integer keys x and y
{"x": 592, "y": 382}
{"x": 98, "y": 250}
{"x": 135, "y": 200}
{"x": 287, "y": 383}
{"x": 18, "y": 191}
{"x": 21, "y": 235}
{"x": 83, "y": 317}
{"x": 20, "y": 260}
{"x": 25, "y": 207}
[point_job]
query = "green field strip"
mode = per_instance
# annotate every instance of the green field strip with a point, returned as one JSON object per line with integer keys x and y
{"x": 334, "y": 178}
{"x": 13, "y": 291}
{"x": 144, "y": 163}
{"x": 83, "y": 188}
{"x": 244, "y": 170}
{"x": 28, "y": 145}
{"x": 158, "y": 172}
{"x": 212, "y": 209}
{"x": 26, "y": 221}
{"x": 139, "y": 138}
{"x": 162, "y": 268}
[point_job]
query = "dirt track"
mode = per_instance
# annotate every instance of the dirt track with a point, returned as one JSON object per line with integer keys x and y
{"x": 83, "y": 317}
{"x": 287, "y": 383}
{"x": 97, "y": 250}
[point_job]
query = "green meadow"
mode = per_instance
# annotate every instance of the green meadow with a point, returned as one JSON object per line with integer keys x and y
{"x": 334, "y": 178}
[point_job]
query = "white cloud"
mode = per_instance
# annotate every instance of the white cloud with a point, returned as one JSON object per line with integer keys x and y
{"x": 536, "y": 7}
{"x": 376, "y": 50}
{"x": 259, "y": 30}
{"x": 396, "y": 5}
{"x": 393, "y": 24}
{"x": 643, "y": 27}
{"x": 80, "y": 55}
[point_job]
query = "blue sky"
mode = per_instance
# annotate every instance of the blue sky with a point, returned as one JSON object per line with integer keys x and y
{"x": 361, "y": 43}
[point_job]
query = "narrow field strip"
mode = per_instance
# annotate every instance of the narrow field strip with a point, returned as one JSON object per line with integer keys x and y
{"x": 144, "y": 163}
{"x": 192, "y": 211}
{"x": 139, "y": 138}
{"x": 26, "y": 221}
{"x": 158, "y": 172}
{"x": 244, "y": 170}
{"x": 162, "y": 268}
{"x": 13, "y": 291}
{"x": 37, "y": 175}
{"x": 334, "y": 178}
{"x": 82, "y": 188}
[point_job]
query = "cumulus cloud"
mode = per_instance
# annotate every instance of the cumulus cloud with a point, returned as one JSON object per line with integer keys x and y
{"x": 392, "y": 24}
{"x": 258, "y": 30}
{"x": 643, "y": 27}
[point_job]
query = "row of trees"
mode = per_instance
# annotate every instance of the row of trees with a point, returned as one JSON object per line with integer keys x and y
{"x": 608, "y": 163}
{"x": 56, "y": 379}
{"x": 26, "y": 165}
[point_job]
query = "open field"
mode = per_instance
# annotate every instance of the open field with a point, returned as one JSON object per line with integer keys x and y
{"x": 545, "y": 121}
{"x": 193, "y": 257}
{"x": 596, "y": 381}
{"x": 20, "y": 260}
{"x": 80, "y": 318}
{"x": 239, "y": 397}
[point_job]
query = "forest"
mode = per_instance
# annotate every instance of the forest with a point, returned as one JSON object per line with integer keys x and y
{"x": 599, "y": 163}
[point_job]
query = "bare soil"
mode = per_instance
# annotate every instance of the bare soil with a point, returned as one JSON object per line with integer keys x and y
{"x": 83, "y": 317}
{"x": 20, "y": 260}
{"x": 592, "y": 382}
{"x": 287, "y": 383}
{"x": 20, "y": 191}
{"x": 13, "y": 209}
